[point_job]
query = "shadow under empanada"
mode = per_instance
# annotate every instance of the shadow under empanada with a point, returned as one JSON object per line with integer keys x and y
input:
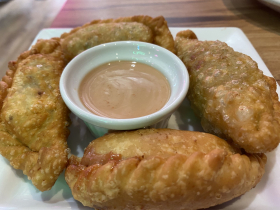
{"x": 79, "y": 137}
{"x": 186, "y": 119}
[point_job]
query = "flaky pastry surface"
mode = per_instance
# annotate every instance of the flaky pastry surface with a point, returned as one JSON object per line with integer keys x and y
{"x": 136, "y": 28}
{"x": 161, "y": 169}
{"x": 34, "y": 118}
{"x": 230, "y": 94}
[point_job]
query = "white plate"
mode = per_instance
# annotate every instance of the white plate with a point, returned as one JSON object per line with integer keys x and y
{"x": 273, "y": 4}
{"x": 17, "y": 192}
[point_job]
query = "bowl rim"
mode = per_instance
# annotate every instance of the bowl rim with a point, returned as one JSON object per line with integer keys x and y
{"x": 120, "y": 124}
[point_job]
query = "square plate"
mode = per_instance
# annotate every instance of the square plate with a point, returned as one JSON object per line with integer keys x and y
{"x": 17, "y": 192}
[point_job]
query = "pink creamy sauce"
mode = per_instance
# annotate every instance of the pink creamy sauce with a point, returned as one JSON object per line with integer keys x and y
{"x": 124, "y": 89}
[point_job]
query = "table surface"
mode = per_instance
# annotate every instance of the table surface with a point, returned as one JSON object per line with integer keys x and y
{"x": 260, "y": 23}
{"x": 20, "y": 22}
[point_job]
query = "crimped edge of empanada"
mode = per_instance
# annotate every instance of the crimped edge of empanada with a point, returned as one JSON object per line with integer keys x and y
{"x": 5, "y": 84}
{"x": 275, "y": 98}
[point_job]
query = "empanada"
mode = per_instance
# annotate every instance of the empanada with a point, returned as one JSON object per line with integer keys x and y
{"x": 136, "y": 28}
{"x": 234, "y": 99}
{"x": 34, "y": 118}
{"x": 161, "y": 169}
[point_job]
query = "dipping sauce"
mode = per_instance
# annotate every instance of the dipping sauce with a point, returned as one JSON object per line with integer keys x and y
{"x": 124, "y": 89}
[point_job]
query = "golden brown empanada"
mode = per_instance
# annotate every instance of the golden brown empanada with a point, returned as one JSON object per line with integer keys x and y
{"x": 136, "y": 28}
{"x": 161, "y": 169}
{"x": 231, "y": 95}
{"x": 34, "y": 117}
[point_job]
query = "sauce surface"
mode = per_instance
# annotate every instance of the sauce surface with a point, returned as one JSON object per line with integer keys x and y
{"x": 124, "y": 89}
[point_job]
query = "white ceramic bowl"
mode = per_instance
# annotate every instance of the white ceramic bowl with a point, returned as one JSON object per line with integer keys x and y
{"x": 163, "y": 60}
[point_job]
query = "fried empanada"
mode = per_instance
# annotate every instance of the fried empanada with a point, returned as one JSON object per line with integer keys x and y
{"x": 136, "y": 28}
{"x": 161, "y": 169}
{"x": 231, "y": 95}
{"x": 34, "y": 118}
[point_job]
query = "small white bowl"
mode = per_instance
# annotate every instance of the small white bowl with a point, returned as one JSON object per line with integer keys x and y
{"x": 161, "y": 59}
